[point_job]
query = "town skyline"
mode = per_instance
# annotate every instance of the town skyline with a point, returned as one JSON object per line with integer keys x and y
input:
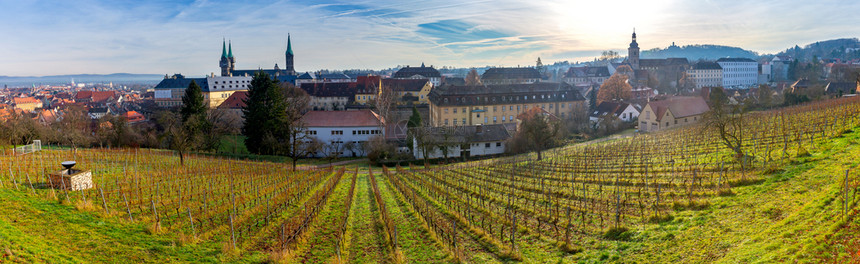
{"x": 158, "y": 38}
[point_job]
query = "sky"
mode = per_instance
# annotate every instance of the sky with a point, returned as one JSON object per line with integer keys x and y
{"x": 41, "y": 38}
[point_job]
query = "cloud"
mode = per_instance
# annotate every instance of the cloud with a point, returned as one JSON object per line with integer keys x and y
{"x": 100, "y": 36}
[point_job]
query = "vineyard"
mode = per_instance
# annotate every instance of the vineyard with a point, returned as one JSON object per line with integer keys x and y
{"x": 633, "y": 198}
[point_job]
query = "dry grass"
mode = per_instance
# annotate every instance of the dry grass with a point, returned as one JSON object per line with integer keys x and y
{"x": 229, "y": 251}
{"x": 85, "y": 206}
{"x": 280, "y": 256}
{"x": 155, "y": 228}
{"x": 185, "y": 239}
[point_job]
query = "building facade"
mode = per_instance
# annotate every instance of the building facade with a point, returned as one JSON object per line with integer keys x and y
{"x": 672, "y": 112}
{"x": 706, "y": 74}
{"x": 499, "y": 104}
{"x": 524, "y": 75}
{"x": 422, "y": 72}
{"x": 739, "y": 72}
{"x": 335, "y": 129}
{"x": 216, "y": 89}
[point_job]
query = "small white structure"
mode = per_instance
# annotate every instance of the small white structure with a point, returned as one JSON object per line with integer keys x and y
{"x": 337, "y": 128}
{"x": 465, "y": 141}
{"x": 623, "y": 111}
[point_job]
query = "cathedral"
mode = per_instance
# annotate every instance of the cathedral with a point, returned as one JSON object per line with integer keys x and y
{"x": 228, "y": 63}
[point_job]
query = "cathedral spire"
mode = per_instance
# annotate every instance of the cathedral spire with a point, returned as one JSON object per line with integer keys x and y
{"x": 289, "y": 45}
{"x": 224, "y": 49}
{"x": 230, "y": 53}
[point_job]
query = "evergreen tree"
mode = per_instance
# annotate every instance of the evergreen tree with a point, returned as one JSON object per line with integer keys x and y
{"x": 192, "y": 102}
{"x": 266, "y": 122}
{"x": 414, "y": 122}
{"x": 592, "y": 99}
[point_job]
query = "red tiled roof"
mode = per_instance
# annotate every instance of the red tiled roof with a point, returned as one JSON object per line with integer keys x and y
{"x": 360, "y": 118}
{"x": 235, "y": 101}
{"x": 95, "y": 96}
{"x": 25, "y": 100}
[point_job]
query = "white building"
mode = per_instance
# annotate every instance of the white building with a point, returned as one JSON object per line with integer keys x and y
{"x": 739, "y": 72}
{"x": 216, "y": 89}
{"x": 335, "y": 129}
{"x": 623, "y": 111}
{"x": 706, "y": 74}
{"x": 466, "y": 141}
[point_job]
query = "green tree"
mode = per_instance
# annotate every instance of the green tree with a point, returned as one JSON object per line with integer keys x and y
{"x": 194, "y": 120}
{"x": 266, "y": 120}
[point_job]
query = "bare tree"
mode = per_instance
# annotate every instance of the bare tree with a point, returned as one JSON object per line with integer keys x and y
{"x": 74, "y": 128}
{"x": 727, "y": 120}
{"x": 333, "y": 150}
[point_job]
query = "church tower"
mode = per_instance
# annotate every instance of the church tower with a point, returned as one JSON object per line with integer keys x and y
{"x": 633, "y": 53}
{"x": 225, "y": 62}
{"x": 230, "y": 57}
{"x": 288, "y": 67}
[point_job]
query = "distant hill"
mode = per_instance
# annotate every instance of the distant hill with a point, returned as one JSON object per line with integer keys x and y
{"x": 844, "y": 49}
{"x": 697, "y": 52}
{"x": 116, "y": 78}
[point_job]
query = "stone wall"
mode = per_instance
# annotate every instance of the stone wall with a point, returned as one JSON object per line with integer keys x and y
{"x": 79, "y": 180}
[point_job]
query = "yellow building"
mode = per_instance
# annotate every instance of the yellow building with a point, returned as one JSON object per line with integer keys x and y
{"x": 406, "y": 91}
{"x": 672, "y": 112}
{"x": 500, "y": 104}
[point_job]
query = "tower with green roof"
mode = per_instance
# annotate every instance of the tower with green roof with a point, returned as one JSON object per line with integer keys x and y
{"x": 226, "y": 65}
{"x": 230, "y": 56}
{"x": 288, "y": 67}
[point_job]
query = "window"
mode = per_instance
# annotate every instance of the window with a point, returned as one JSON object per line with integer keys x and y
{"x": 485, "y": 120}
{"x": 455, "y": 121}
{"x": 498, "y": 144}
{"x": 446, "y": 111}
{"x": 354, "y": 132}
{"x": 511, "y": 118}
{"x": 494, "y": 108}
{"x": 503, "y": 118}
{"x": 464, "y": 110}
{"x": 479, "y": 115}
{"x": 455, "y": 110}
{"x": 511, "y": 108}
{"x": 487, "y": 145}
{"x": 464, "y": 121}
{"x": 312, "y": 132}
{"x": 676, "y": 121}
{"x": 337, "y": 132}
{"x": 494, "y": 120}
{"x": 446, "y": 121}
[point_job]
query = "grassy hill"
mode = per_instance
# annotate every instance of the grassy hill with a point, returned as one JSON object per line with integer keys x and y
{"x": 674, "y": 196}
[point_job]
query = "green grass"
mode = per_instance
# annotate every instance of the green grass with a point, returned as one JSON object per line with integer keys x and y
{"x": 37, "y": 230}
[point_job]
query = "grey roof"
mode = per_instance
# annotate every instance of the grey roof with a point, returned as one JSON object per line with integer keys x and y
{"x": 307, "y": 76}
{"x": 609, "y": 107}
{"x": 504, "y": 94}
{"x": 271, "y": 72}
{"x": 735, "y": 60}
{"x": 844, "y": 87}
{"x": 470, "y": 134}
{"x": 333, "y": 76}
{"x": 510, "y": 73}
{"x": 408, "y": 72}
{"x": 181, "y": 83}
{"x": 587, "y": 72}
{"x": 707, "y": 65}
{"x": 663, "y": 62}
